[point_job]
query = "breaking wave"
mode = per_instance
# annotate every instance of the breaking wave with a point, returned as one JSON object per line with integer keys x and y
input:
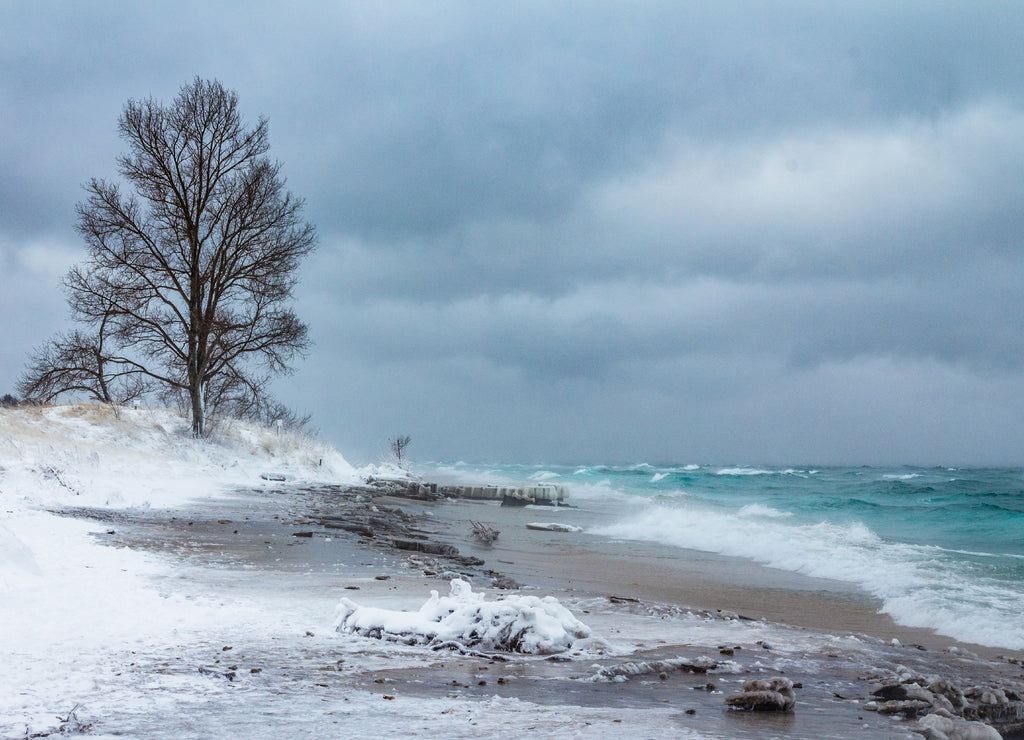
{"x": 919, "y": 586}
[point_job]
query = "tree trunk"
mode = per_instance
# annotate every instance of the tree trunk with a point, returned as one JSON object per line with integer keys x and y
{"x": 198, "y": 410}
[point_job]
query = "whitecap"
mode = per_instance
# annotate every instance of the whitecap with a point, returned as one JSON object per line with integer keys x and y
{"x": 543, "y": 475}
{"x": 762, "y": 510}
{"x": 744, "y": 471}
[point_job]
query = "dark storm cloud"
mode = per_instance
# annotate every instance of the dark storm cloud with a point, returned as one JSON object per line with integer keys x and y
{"x": 740, "y": 229}
{"x": 913, "y": 198}
{"x": 873, "y": 243}
{"x": 514, "y": 116}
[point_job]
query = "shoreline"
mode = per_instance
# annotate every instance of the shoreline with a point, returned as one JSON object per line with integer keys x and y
{"x": 693, "y": 579}
{"x": 267, "y": 550}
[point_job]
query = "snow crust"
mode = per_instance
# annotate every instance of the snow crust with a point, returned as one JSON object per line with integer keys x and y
{"x": 465, "y": 619}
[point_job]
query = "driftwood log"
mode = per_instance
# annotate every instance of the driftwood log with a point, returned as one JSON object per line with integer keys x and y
{"x": 431, "y": 548}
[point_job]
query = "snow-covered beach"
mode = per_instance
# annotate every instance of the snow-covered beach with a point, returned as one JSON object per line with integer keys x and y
{"x": 155, "y": 586}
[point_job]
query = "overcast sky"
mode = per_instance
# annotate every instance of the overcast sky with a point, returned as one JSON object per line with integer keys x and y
{"x": 729, "y": 232}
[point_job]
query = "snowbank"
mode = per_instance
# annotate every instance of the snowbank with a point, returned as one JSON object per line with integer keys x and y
{"x": 89, "y": 454}
{"x": 464, "y": 619}
{"x": 92, "y": 455}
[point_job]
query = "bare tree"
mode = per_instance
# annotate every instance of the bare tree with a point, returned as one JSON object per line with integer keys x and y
{"x": 237, "y": 396}
{"x": 80, "y": 362}
{"x": 398, "y": 445}
{"x": 192, "y": 270}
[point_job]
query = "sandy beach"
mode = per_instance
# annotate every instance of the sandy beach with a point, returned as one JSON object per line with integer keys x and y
{"x": 653, "y": 573}
{"x": 646, "y": 607}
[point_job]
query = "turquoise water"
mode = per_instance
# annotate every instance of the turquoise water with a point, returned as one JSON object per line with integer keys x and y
{"x": 941, "y": 548}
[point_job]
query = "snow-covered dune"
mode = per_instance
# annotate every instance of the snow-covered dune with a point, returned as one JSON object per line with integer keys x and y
{"x": 96, "y": 455}
{"x": 69, "y": 606}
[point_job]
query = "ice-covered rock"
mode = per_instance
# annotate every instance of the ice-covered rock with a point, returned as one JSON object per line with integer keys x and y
{"x": 908, "y": 708}
{"x": 914, "y": 696}
{"x": 901, "y": 692}
{"x": 466, "y": 620}
{"x": 987, "y": 695}
{"x": 765, "y": 695}
{"x": 941, "y": 726}
{"x": 942, "y": 687}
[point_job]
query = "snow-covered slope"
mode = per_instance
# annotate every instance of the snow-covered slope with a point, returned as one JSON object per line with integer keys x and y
{"x": 94, "y": 455}
{"x": 71, "y": 607}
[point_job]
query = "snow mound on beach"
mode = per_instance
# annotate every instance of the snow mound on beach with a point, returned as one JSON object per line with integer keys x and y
{"x": 89, "y": 454}
{"x": 464, "y": 619}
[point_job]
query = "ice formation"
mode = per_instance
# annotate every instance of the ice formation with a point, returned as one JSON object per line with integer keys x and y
{"x": 466, "y": 620}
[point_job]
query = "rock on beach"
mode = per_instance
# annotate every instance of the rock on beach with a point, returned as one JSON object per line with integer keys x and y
{"x": 764, "y": 695}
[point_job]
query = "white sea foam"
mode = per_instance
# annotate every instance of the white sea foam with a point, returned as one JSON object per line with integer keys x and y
{"x": 542, "y": 475}
{"x": 467, "y": 474}
{"x": 658, "y": 476}
{"x": 794, "y": 471}
{"x": 744, "y": 471}
{"x": 602, "y": 491}
{"x": 761, "y": 510}
{"x": 907, "y": 476}
{"x": 691, "y": 467}
{"x": 761, "y": 471}
{"x": 918, "y": 586}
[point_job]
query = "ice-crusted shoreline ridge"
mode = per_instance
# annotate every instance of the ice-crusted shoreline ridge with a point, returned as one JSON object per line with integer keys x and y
{"x": 466, "y": 619}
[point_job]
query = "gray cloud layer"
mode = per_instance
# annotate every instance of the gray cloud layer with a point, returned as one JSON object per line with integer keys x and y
{"x": 679, "y": 231}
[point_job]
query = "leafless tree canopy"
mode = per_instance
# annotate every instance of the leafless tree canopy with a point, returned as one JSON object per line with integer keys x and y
{"x": 190, "y": 269}
{"x": 398, "y": 445}
{"x": 79, "y": 362}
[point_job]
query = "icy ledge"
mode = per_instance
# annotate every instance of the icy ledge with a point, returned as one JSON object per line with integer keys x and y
{"x": 466, "y": 620}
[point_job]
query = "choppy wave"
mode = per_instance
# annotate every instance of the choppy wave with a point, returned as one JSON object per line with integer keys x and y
{"x": 919, "y": 586}
{"x": 744, "y": 471}
{"x": 939, "y": 550}
{"x": 543, "y": 475}
{"x": 741, "y": 471}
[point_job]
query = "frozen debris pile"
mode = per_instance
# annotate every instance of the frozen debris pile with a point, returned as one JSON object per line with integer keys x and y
{"x": 764, "y": 695}
{"x": 465, "y": 620}
{"x": 958, "y": 713}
